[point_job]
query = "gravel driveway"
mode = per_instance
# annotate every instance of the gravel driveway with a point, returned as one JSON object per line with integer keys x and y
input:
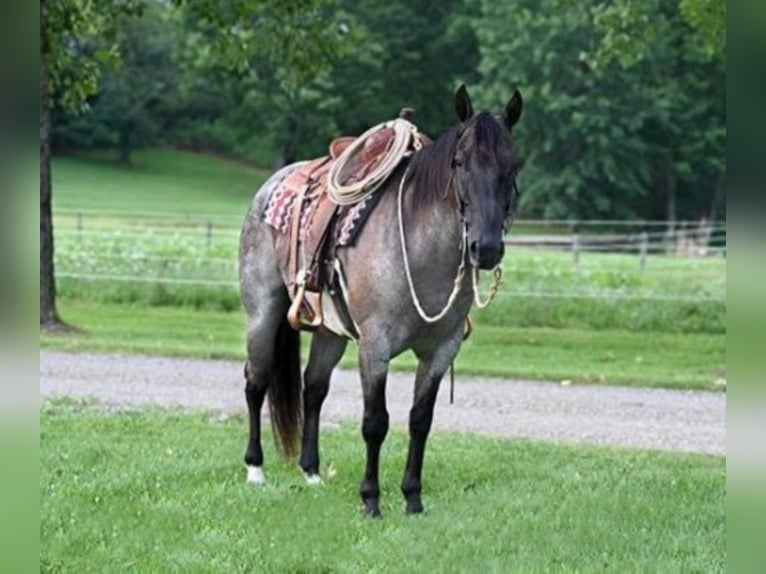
{"x": 688, "y": 421}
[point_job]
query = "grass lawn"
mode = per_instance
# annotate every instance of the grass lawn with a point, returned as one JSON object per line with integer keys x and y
{"x": 690, "y": 361}
{"x": 155, "y": 491}
{"x": 159, "y": 181}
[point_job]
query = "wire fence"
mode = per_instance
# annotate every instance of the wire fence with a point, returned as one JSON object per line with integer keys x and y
{"x": 654, "y": 261}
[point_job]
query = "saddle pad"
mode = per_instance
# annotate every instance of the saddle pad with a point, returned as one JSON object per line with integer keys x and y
{"x": 349, "y": 220}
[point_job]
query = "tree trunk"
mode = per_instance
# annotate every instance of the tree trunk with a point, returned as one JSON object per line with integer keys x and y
{"x": 125, "y": 147}
{"x": 287, "y": 149}
{"x": 670, "y": 216}
{"x": 717, "y": 197}
{"x": 48, "y": 314}
{"x": 671, "y": 184}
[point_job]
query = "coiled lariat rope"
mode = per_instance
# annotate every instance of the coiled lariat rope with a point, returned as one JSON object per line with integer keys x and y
{"x": 496, "y": 272}
{"x": 405, "y": 133}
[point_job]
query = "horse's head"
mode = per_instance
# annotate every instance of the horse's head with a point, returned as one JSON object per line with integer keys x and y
{"x": 485, "y": 166}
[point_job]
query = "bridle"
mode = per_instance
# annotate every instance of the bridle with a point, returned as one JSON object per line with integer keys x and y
{"x": 497, "y": 272}
{"x": 460, "y": 200}
{"x": 464, "y": 223}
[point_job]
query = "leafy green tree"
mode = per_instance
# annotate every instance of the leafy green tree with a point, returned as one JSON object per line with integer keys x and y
{"x": 77, "y": 36}
{"x": 273, "y": 101}
{"x": 135, "y": 97}
{"x": 375, "y": 68}
{"x": 679, "y": 48}
{"x": 626, "y": 30}
{"x": 580, "y": 130}
{"x": 411, "y": 53}
{"x": 688, "y": 134}
{"x": 605, "y": 137}
{"x": 69, "y": 74}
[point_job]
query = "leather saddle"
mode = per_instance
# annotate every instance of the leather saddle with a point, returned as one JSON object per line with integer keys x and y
{"x": 309, "y": 264}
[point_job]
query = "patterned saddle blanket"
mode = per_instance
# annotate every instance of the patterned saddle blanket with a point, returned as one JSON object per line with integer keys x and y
{"x": 349, "y": 220}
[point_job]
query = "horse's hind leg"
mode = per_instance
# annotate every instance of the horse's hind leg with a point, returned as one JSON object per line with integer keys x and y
{"x": 261, "y": 338}
{"x": 326, "y": 351}
{"x": 266, "y": 301}
{"x": 431, "y": 369}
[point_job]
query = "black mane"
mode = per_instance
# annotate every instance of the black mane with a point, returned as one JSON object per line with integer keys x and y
{"x": 430, "y": 168}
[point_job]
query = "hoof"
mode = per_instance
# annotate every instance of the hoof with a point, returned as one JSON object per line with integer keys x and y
{"x": 255, "y": 475}
{"x": 414, "y": 507}
{"x": 313, "y": 479}
{"x": 372, "y": 508}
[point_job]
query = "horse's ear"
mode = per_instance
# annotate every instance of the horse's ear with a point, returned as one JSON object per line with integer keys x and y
{"x": 513, "y": 110}
{"x": 463, "y": 105}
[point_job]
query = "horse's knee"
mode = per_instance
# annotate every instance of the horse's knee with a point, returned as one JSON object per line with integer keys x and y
{"x": 420, "y": 421}
{"x": 375, "y": 427}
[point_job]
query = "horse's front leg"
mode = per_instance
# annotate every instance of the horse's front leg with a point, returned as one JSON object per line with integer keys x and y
{"x": 373, "y": 367}
{"x": 431, "y": 369}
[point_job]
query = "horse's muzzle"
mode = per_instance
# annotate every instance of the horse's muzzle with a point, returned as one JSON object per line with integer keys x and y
{"x": 486, "y": 255}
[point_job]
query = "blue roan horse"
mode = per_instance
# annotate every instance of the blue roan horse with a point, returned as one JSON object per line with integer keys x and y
{"x": 447, "y": 208}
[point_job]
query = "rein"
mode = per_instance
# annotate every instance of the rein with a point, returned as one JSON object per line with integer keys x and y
{"x": 460, "y": 270}
{"x": 496, "y": 272}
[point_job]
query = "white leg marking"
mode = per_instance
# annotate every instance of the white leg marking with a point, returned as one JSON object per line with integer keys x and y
{"x": 255, "y": 475}
{"x": 313, "y": 479}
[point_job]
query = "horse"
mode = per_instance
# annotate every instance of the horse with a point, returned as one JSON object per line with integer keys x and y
{"x": 453, "y": 200}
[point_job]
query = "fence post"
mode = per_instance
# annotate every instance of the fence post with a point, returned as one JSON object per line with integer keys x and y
{"x": 669, "y": 236}
{"x": 575, "y": 245}
{"x": 644, "y": 249}
{"x": 209, "y": 233}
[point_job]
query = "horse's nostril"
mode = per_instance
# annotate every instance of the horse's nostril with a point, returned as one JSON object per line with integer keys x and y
{"x": 474, "y": 249}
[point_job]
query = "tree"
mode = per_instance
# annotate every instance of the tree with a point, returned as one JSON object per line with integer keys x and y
{"x": 68, "y": 72}
{"x": 294, "y": 33}
{"x": 412, "y": 53}
{"x": 679, "y": 46}
{"x": 626, "y": 30}
{"x": 612, "y": 125}
{"x": 48, "y": 313}
{"x": 135, "y": 97}
{"x": 580, "y": 130}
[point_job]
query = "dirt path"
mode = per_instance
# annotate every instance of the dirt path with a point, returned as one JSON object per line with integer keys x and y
{"x": 659, "y": 419}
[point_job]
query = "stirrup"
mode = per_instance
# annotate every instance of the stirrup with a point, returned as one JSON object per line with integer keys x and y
{"x": 294, "y": 313}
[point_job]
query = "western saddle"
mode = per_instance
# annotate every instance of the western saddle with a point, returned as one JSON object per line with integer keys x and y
{"x": 310, "y": 264}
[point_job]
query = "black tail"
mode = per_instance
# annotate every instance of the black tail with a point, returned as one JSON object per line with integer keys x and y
{"x": 285, "y": 390}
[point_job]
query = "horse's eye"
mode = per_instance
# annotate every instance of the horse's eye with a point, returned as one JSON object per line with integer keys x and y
{"x": 457, "y": 162}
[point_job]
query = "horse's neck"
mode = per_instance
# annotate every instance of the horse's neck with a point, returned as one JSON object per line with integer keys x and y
{"x": 436, "y": 235}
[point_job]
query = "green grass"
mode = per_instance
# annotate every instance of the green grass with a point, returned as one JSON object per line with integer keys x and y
{"x": 596, "y": 288}
{"x": 603, "y": 357}
{"x": 182, "y": 183}
{"x": 158, "y": 491}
